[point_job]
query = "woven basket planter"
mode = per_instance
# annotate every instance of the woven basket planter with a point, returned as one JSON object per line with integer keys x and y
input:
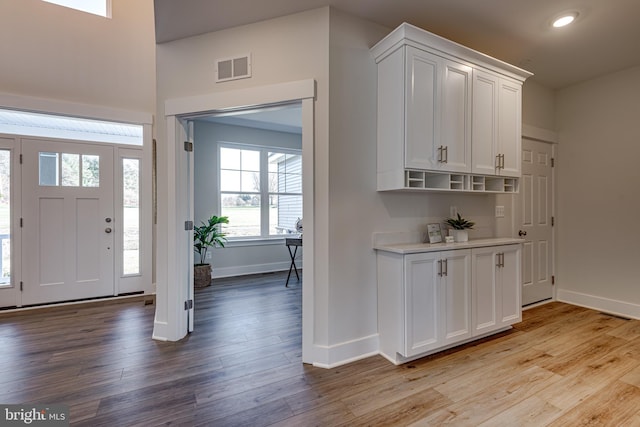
{"x": 201, "y": 275}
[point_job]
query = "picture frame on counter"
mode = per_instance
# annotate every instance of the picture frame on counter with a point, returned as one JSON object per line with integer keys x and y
{"x": 434, "y": 233}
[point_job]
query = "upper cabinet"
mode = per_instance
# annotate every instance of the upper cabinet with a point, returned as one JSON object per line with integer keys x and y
{"x": 438, "y": 113}
{"x": 449, "y": 118}
{"x": 497, "y": 124}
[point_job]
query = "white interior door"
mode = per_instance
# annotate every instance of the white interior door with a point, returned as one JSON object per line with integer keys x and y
{"x": 68, "y": 221}
{"x": 535, "y": 210}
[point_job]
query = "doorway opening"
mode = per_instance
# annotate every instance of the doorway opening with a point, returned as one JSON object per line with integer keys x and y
{"x": 175, "y": 289}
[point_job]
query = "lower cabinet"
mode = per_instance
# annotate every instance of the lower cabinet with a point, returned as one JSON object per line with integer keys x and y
{"x": 430, "y": 301}
{"x": 496, "y": 302}
{"x": 437, "y": 298}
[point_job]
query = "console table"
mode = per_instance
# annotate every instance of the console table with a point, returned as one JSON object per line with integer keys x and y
{"x": 295, "y": 242}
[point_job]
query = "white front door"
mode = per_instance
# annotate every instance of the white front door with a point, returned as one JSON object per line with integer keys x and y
{"x": 68, "y": 221}
{"x": 535, "y": 206}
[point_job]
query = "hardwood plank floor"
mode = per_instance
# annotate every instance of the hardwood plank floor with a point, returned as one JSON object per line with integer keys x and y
{"x": 563, "y": 365}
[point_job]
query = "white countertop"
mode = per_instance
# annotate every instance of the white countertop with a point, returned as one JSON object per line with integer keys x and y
{"x": 413, "y": 248}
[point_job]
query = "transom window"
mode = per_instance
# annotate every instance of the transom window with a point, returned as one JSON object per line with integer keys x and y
{"x": 96, "y": 7}
{"x": 260, "y": 190}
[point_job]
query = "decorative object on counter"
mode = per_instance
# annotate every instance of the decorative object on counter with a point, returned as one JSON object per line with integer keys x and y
{"x": 434, "y": 233}
{"x": 449, "y": 239}
{"x": 205, "y": 236}
{"x": 459, "y": 227}
{"x": 299, "y": 225}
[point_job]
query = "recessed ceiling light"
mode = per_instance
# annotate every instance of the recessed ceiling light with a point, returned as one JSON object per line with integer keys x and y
{"x": 564, "y": 19}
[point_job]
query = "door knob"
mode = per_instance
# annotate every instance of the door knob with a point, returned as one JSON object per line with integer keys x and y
{"x": 522, "y": 233}
{"x": 107, "y": 230}
{"x": 107, "y": 219}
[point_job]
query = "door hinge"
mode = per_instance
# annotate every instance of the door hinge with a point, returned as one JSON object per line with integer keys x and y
{"x": 188, "y": 225}
{"x": 553, "y": 221}
{"x": 20, "y": 286}
{"x": 553, "y": 280}
{"x": 188, "y": 304}
{"x": 188, "y": 146}
{"x": 553, "y": 162}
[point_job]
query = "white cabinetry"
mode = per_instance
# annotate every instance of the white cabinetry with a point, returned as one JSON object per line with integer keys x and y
{"x": 432, "y": 300}
{"x": 437, "y": 297}
{"x": 426, "y": 115}
{"x": 496, "y": 129}
{"x": 496, "y": 301}
{"x": 438, "y": 118}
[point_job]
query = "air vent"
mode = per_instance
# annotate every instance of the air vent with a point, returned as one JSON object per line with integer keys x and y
{"x": 233, "y": 68}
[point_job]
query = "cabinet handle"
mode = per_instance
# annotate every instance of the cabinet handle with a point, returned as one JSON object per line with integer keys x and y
{"x": 440, "y": 268}
{"x": 446, "y": 267}
{"x": 446, "y": 154}
{"x": 502, "y": 162}
{"x": 498, "y": 161}
{"x": 440, "y": 149}
{"x": 500, "y": 260}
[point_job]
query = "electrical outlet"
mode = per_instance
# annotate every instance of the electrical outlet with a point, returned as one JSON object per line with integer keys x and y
{"x": 499, "y": 211}
{"x": 208, "y": 255}
{"x": 453, "y": 211}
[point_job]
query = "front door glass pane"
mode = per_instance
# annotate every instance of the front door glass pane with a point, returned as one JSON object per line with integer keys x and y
{"x": 70, "y": 170}
{"x": 48, "y": 169}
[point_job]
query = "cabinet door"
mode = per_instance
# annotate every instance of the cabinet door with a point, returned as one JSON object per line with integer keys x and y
{"x": 484, "y": 290}
{"x": 422, "y": 306}
{"x": 422, "y": 113}
{"x": 510, "y": 277}
{"x": 456, "y": 293}
{"x": 484, "y": 139}
{"x": 455, "y": 135}
{"x": 510, "y": 126}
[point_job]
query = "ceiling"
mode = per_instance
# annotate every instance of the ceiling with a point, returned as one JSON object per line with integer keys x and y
{"x": 601, "y": 41}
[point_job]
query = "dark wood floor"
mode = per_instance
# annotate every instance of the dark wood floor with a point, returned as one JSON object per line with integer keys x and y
{"x": 562, "y": 365}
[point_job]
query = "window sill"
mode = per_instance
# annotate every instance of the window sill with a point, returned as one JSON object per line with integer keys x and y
{"x": 258, "y": 242}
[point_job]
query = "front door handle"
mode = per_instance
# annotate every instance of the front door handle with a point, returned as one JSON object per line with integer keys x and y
{"x": 522, "y": 233}
{"x": 107, "y": 230}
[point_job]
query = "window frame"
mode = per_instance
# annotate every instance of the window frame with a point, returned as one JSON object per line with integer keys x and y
{"x": 264, "y": 192}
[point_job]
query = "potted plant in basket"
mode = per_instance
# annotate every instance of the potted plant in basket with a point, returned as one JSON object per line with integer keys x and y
{"x": 460, "y": 226}
{"x": 205, "y": 236}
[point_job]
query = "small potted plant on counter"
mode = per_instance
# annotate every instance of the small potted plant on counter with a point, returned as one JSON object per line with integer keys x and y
{"x": 459, "y": 226}
{"x": 205, "y": 236}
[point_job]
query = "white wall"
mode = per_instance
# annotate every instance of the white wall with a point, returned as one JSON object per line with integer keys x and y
{"x": 538, "y": 105}
{"x": 285, "y": 49}
{"x": 235, "y": 258}
{"x": 49, "y": 51}
{"x": 598, "y": 201}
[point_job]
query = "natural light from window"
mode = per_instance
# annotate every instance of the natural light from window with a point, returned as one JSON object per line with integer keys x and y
{"x": 96, "y": 7}
{"x": 260, "y": 191}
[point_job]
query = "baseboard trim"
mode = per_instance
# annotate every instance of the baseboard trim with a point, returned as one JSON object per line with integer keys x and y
{"x": 160, "y": 330}
{"x": 243, "y": 270}
{"x": 594, "y": 302}
{"x": 346, "y": 352}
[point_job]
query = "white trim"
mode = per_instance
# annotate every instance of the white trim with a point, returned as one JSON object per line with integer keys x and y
{"x": 347, "y": 352}
{"x": 241, "y": 98}
{"x": 243, "y": 270}
{"x": 539, "y": 134}
{"x": 87, "y": 111}
{"x": 594, "y": 302}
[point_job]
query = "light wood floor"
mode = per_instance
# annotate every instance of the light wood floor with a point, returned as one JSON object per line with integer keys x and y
{"x": 562, "y": 365}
